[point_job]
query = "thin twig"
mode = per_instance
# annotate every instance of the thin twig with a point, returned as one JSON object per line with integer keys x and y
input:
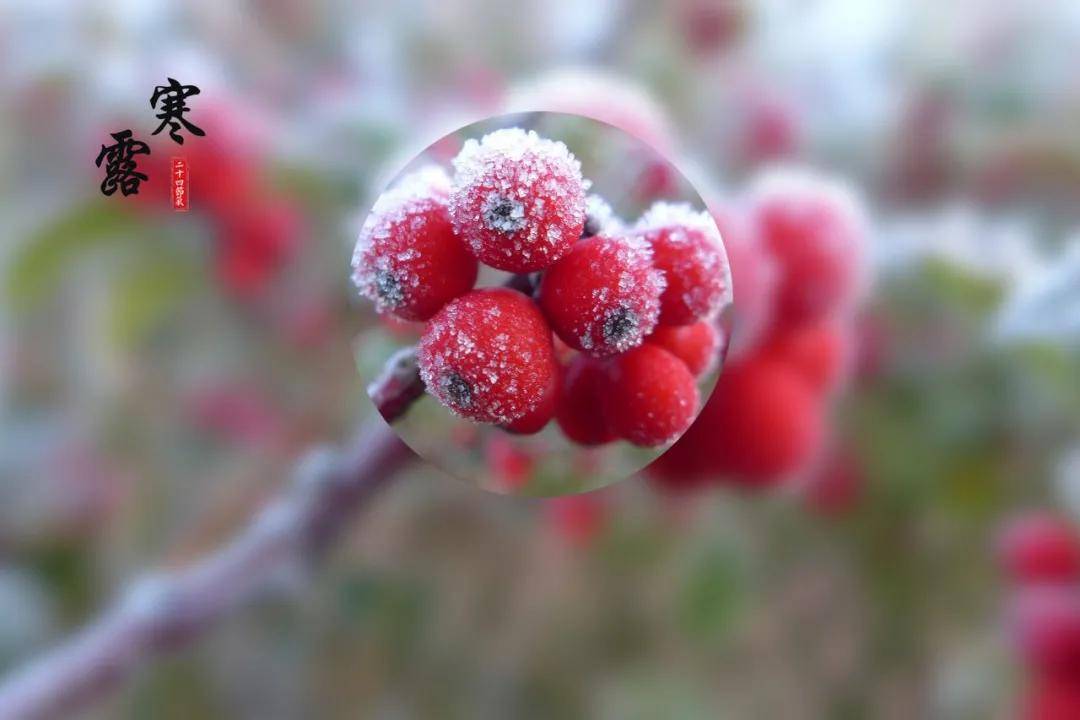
{"x": 165, "y": 610}
{"x": 169, "y": 609}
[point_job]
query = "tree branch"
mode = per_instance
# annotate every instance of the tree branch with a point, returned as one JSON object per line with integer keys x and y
{"x": 169, "y": 609}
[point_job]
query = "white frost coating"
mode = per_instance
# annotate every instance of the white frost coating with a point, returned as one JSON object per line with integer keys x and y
{"x": 383, "y": 270}
{"x": 471, "y": 360}
{"x": 664, "y": 214}
{"x": 514, "y": 198}
{"x": 625, "y": 306}
{"x": 681, "y": 226}
{"x": 793, "y": 183}
{"x": 600, "y": 218}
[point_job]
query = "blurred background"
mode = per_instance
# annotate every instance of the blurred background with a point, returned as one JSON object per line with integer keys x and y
{"x": 161, "y": 372}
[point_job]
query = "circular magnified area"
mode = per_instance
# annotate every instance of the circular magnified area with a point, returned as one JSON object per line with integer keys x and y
{"x": 550, "y": 304}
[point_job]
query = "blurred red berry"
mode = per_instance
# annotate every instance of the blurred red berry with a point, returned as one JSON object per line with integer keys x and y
{"x": 760, "y": 424}
{"x": 819, "y": 353}
{"x": 687, "y": 248}
{"x": 811, "y": 228}
{"x": 255, "y": 243}
{"x": 753, "y": 277}
{"x": 408, "y": 260}
{"x": 1045, "y": 622}
{"x": 1040, "y": 547}
{"x": 651, "y": 397}
{"x": 604, "y": 297}
{"x": 487, "y": 356}
{"x": 835, "y": 486}
{"x": 518, "y": 200}
{"x": 1051, "y": 698}
{"x": 657, "y": 179}
{"x": 579, "y": 410}
{"x": 577, "y": 518}
{"x": 697, "y": 345}
{"x": 710, "y": 26}
{"x": 770, "y": 130}
{"x": 509, "y": 464}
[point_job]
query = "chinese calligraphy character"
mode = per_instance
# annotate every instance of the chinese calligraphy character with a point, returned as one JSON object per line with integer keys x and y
{"x": 173, "y": 107}
{"x": 120, "y": 168}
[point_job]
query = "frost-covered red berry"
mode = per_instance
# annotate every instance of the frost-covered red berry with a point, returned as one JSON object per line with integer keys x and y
{"x": 813, "y": 229}
{"x": 518, "y": 200}
{"x": 536, "y": 419}
{"x": 407, "y": 259}
{"x": 604, "y": 297}
{"x": 487, "y": 356}
{"x": 697, "y": 345}
{"x": 687, "y": 248}
{"x": 651, "y": 397}
{"x": 1040, "y": 547}
{"x": 579, "y": 410}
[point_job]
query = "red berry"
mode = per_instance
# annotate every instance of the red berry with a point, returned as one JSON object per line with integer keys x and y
{"x": 812, "y": 228}
{"x": 834, "y": 487}
{"x": 577, "y": 518}
{"x": 604, "y": 297}
{"x": 537, "y": 419}
{"x": 511, "y": 466}
{"x": 255, "y": 243}
{"x": 579, "y": 410}
{"x": 1045, "y": 622}
{"x": 760, "y": 423}
{"x": 518, "y": 200}
{"x": 819, "y": 353}
{"x": 753, "y": 278}
{"x": 650, "y": 398}
{"x": 408, "y": 260}
{"x": 487, "y": 356}
{"x": 1052, "y": 698}
{"x": 686, "y": 246}
{"x": 697, "y": 345}
{"x": 1040, "y": 547}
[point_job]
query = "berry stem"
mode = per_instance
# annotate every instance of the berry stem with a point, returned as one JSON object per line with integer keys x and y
{"x": 166, "y": 610}
{"x": 398, "y": 385}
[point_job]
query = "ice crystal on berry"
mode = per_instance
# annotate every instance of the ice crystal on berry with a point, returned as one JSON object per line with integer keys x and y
{"x": 407, "y": 259}
{"x": 518, "y": 200}
{"x": 599, "y": 217}
{"x": 687, "y": 247}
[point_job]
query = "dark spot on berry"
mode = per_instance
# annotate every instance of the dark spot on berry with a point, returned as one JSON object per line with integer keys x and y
{"x": 457, "y": 390}
{"x": 620, "y": 328}
{"x": 388, "y": 289}
{"x": 503, "y": 213}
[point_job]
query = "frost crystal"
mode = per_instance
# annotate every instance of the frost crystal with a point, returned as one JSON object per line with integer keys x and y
{"x": 518, "y": 200}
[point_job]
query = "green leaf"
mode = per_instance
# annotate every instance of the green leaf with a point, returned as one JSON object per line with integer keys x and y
{"x": 146, "y": 294}
{"x": 38, "y": 266}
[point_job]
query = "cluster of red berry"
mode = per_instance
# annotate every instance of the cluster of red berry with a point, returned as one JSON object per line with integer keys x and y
{"x": 1040, "y": 555}
{"x": 795, "y": 248}
{"x": 631, "y": 308}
